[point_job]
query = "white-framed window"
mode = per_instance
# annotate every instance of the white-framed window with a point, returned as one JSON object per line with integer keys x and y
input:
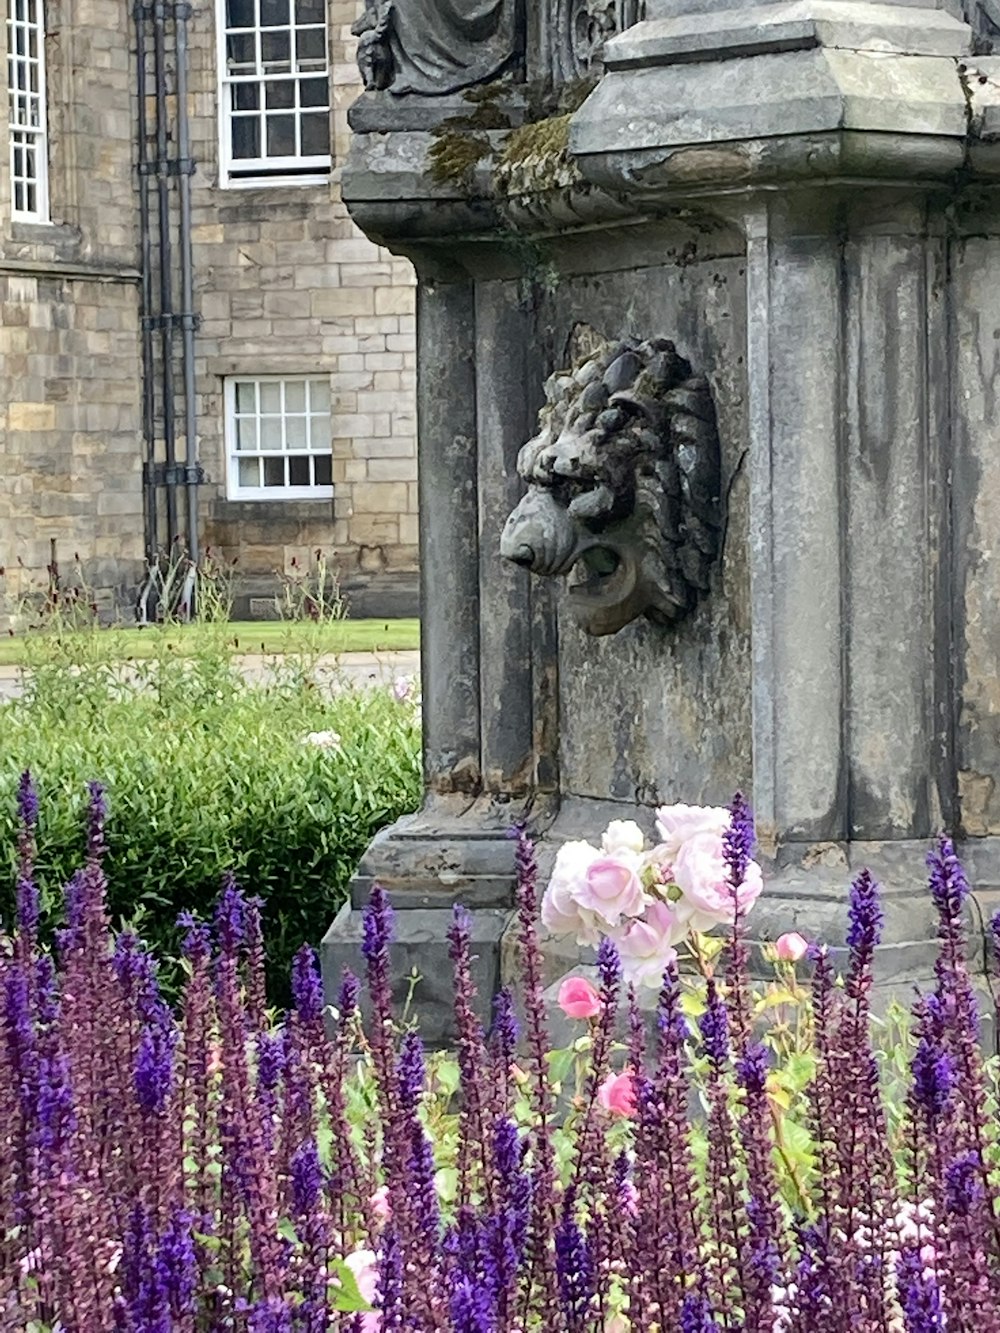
{"x": 278, "y": 437}
{"x": 29, "y": 168}
{"x": 274, "y": 91}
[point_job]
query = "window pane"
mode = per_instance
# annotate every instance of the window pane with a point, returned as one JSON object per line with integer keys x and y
{"x": 246, "y": 96}
{"x": 298, "y": 471}
{"x": 319, "y": 396}
{"x": 280, "y": 93}
{"x": 295, "y": 396}
{"x": 273, "y": 13}
{"x": 295, "y": 433}
{"x": 323, "y": 463}
{"x": 276, "y": 52}
{"x": 281, "y": 136}
{"x": 240, "y": 14}
{"x": 246, "y": 136}
{"x": 249, "y": 471}
{"x": 246, "y": 434}
{"x": 309, "y": 11}
{"x": 246, "y": 396}
{"x": 314, "y": 92}
{"x": 319, "y": 433}
{"x": 241, "y": 53}
{"x": 270, "y": 396}
{"x": 315, "y": 135}
{"x": 274, "y": 472}
{"x": 270, "y": 433}
{"x": 310, "y": 48}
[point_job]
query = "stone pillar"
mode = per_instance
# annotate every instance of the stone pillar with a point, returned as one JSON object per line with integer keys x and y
{"x": 785, "y": 192}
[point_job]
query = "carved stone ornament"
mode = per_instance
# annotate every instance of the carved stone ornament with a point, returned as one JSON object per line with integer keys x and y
{"x": 580, "y": 29}
{"x": 623, "y": 486}
{"x": 436, "y": 47}
{"x": 984, "y": 18}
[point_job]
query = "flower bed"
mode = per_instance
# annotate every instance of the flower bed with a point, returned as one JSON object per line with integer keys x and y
{"x": 206, "y": 775}
{"x": 211, "y": 1169}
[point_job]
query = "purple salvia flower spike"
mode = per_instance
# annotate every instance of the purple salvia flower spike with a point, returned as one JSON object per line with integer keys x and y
{"x": 307, "y": 987}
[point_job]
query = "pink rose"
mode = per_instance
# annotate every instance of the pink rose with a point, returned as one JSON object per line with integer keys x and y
{"x": 364, "y": 1266}
{"x": 677, "y": 823}
{"x": 578, "y": 998}
{"x": 646, "y": 948}
{"x": 701, "y": 873}
{"x": 380, "y": 1205}
{"x": 611, "y": 889}
{"x": 623, "y": 835}
{"x": 617, "y": 1095}
{"x": 561, "y": 912}
{"x": 791, "y": 948}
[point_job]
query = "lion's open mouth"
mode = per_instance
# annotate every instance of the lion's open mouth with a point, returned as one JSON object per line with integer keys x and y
{"x": 598, "y": 573}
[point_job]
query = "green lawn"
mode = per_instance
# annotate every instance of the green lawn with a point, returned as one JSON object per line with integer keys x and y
{"x": 343, "y": 636}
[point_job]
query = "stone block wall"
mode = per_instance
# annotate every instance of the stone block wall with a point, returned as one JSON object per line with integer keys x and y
{"x": 286, "y": 284}
{"x": 70, "y": 448}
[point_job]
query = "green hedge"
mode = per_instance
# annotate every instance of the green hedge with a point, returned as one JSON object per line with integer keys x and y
{"x": 206, "y": 774}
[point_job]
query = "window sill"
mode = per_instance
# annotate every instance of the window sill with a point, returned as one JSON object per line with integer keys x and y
{"x": 312, "y": 181}
{"x": 239, "y": 510}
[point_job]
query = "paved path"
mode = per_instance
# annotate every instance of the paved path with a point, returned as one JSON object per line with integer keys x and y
{"x": 353, "y": 668}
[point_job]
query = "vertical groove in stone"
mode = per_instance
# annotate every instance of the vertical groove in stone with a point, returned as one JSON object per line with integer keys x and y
{"x": 449, "y": 565}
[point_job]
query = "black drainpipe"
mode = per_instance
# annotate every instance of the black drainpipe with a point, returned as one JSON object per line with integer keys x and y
{"x": 185, "y": 166}
{"x": 166, "y": 270}
{"x": 147, "y": 316}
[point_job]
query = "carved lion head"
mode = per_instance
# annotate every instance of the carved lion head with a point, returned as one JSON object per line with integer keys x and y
{"x": 623, "y": 486}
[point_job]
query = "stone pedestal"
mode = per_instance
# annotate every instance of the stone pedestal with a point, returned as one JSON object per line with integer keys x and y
{"x": 805, "y": 198}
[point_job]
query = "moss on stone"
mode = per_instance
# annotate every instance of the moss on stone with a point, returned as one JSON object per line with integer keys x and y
{"x": 536, "y": 157}
{"x": 455, "y": 154}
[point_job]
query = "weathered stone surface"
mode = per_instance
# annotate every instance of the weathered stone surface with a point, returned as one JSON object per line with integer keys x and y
{"x": 824, "y": 263}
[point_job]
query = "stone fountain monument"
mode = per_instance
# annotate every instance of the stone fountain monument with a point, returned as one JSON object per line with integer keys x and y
{"x": 709, "y": 365}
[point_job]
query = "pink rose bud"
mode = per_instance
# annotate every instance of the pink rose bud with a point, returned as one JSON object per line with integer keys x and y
{"x": 617, "y": 1095}
{"x": 579, "y": 999}
{"x": 381, "y": 1207}
{"x": 791, "y": 948}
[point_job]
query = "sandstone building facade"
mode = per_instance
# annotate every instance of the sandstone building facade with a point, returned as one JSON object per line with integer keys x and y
{"x": 165, "y": 276}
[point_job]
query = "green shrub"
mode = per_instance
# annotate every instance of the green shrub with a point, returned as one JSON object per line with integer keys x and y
{"x": 205, "y": 774}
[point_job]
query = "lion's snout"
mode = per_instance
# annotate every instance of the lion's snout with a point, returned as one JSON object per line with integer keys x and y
{"x": 539, "y": 535}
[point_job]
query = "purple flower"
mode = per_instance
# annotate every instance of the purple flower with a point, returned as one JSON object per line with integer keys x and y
{"x": 231, "y": 917}
{"x": 27, "y": 802}
{"x": 347, "y": 999}
{"x": 471, "y": 1306}
{"x": 737, "y": 841}
{"x": 948, "y": 885}
{"x": 197, "y": 943}
{"x": 56, "y": 1110}
{"x": 176, "y": 1263}
{"x": 411, "y": 1071}
{"x": 714, "y": 1027}
{"x": 963, "y": 1184}
{"x": 995, "y": 933}
{"x": 307, "y": 987}
{"x": 864, "y": 915}
{"x": 919, "y": 1294}
{"x": 574, "y": 1270}
{"x": 271, "y": 1058}
{"x": 307, "y": 1178}
{"x": 696, "y": 1315}
{"x": 154, "y": 1062}
{"x": 503, "y": 1030}
{"x": 933, "y": 1072}
{"x": 752, "y": 1067}
{"x": 377, "y": 927}
{"x": 609, "y": 964}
